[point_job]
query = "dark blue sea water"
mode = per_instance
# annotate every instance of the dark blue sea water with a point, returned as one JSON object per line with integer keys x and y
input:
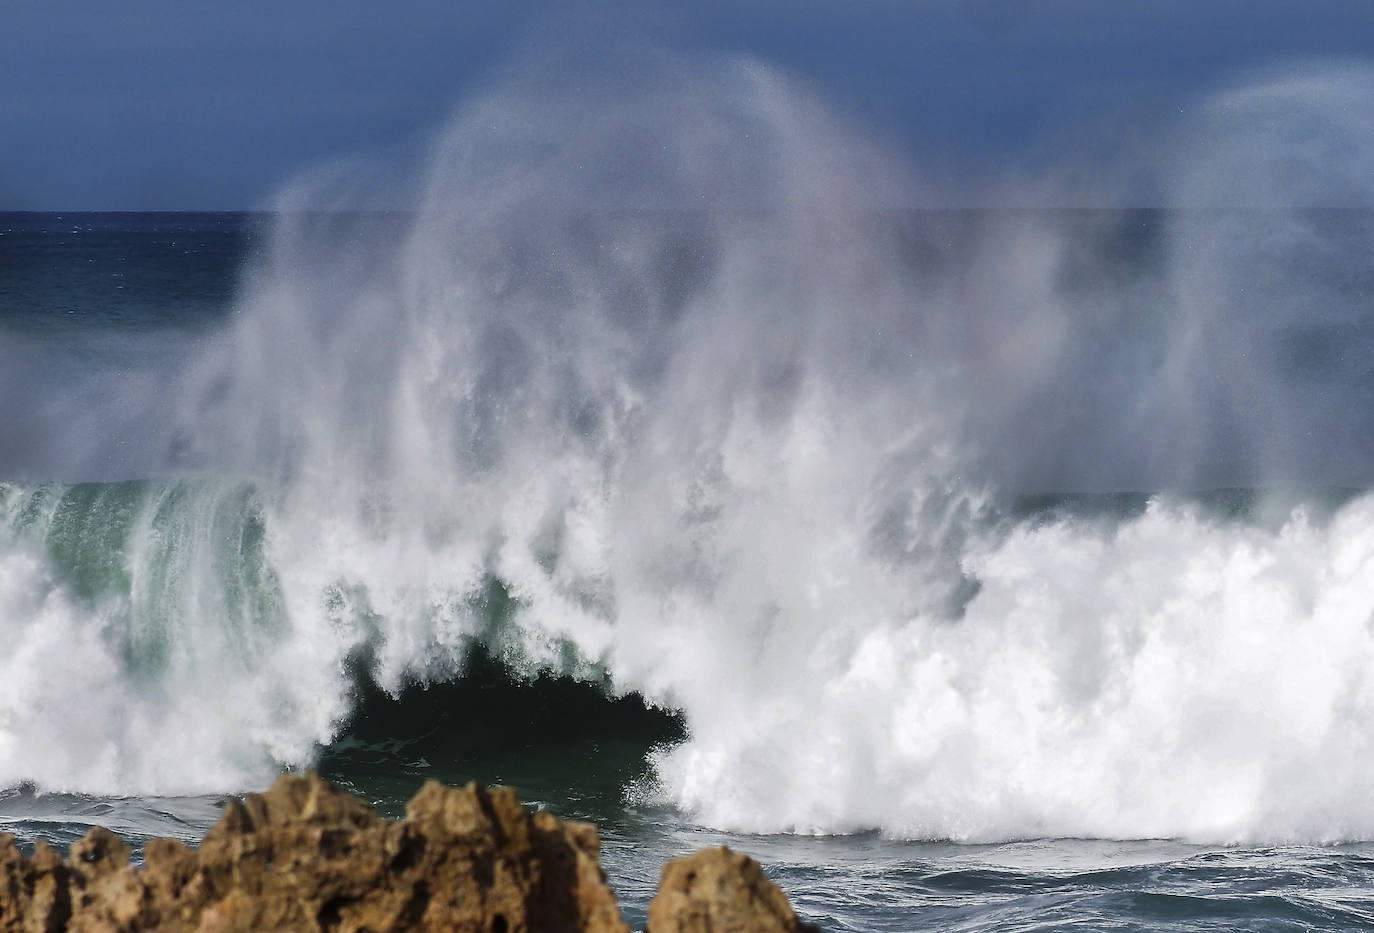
{"x": 946, "y": 562}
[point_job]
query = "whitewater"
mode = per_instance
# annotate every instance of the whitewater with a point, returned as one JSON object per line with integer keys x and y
{"x": 944, "y": 531}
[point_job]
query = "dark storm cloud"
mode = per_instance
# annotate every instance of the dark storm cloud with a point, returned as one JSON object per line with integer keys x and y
{"x": 159, "y": 105}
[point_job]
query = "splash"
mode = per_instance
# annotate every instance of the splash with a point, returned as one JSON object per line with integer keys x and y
{"x": 674, "y": 361}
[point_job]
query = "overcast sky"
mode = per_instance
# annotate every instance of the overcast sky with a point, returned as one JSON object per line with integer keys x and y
{"x": 151, "y": 105}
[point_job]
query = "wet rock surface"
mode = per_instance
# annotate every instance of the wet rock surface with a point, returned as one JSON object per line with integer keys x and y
{"x": 304, "y": 856}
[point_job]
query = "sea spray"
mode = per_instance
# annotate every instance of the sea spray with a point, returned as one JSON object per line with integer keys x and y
{"x": 673, "y": 361}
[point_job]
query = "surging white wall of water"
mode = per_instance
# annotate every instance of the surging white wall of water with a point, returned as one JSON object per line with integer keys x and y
{"x": 735, "y": 457}
{"x": 1170, "y": 677}
{"x": 654, "y": 351}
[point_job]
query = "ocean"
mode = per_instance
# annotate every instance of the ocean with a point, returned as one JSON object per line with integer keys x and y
{"x": 973, "y": 570}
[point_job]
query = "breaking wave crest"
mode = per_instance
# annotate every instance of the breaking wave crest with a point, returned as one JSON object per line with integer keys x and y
{"x": 664, "y": 385}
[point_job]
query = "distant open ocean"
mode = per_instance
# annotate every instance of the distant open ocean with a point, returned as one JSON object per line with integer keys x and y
{"x": 972, "y": 570}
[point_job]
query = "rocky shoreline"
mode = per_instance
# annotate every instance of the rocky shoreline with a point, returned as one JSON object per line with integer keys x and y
{"x": 307, "y": 857}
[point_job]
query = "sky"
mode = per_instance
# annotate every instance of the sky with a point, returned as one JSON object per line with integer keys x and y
{"x": 154, "y": 105}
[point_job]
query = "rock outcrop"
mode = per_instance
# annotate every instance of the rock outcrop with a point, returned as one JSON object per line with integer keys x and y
{"x": 719, "y": 891}
{"x": 305, "y": 856}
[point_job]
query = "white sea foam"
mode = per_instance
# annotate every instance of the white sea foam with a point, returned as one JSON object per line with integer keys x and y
{"x": 662, "y": 355}
{"x": 1173, "y": 677}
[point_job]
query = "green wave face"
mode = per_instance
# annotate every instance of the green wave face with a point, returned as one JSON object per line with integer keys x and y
{"x": 160, "y": 558}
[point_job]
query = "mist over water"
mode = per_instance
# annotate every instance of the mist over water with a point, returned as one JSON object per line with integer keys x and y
{"x": 678, "y": 360}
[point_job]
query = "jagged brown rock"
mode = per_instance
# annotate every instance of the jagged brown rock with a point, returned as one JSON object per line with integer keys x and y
{"x": 305, "y": 856}
{"x": 720, "y": 891}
